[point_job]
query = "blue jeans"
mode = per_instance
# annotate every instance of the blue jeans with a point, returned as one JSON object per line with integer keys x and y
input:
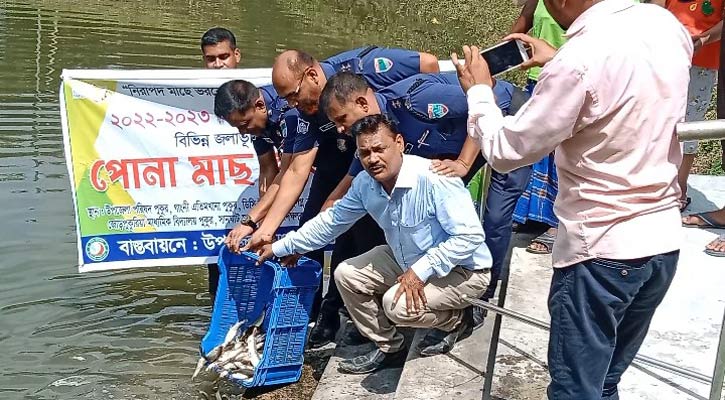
{"x": 600, "y": 313}
{"x": 503, "y": 193}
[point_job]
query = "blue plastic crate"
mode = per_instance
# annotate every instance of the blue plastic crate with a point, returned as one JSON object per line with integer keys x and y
{"x": 245, "y": 290}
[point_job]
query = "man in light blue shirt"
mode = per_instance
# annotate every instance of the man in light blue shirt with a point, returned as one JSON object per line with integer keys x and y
{"x": 435, "y": 253}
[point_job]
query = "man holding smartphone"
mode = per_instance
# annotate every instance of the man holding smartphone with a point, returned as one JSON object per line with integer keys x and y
{"x": 608, "y": 102}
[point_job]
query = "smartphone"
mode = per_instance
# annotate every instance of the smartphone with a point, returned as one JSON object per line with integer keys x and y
{"x": 505, "y": 56}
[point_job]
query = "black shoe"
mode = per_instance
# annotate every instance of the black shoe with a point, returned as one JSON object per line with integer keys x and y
{"x": 440, "y": 342}
{"x": 372, "y": 361}
{"x": 351, "y": 336}
{"x": 325, "y": 329}
{"x": 479, "y": 317}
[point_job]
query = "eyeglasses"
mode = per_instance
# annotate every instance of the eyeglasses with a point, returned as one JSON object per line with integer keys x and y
{"x": 296, "y": 92}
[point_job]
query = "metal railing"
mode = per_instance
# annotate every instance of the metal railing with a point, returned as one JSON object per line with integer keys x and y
{"x": 700, "y": 130}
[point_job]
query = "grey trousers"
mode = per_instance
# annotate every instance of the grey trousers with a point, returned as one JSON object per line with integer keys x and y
{"x": 367, "y": 284}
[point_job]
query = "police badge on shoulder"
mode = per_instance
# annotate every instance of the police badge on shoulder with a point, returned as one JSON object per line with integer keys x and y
{"x": 341, "y": 144}
{"x": 302, "y": 126}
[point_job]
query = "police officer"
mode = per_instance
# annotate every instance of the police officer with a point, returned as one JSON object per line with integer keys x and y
{"x": 431, "y": 111}
{"x": 300, "y": 78}
{"x": 265, "y": 116}
{"x": 219, "y": 48}
{"x": 262, "y": 114}
{"x": 273, "y": 126}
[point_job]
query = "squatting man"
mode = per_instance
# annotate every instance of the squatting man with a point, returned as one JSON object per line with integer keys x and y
{"x": 435, "y": 254}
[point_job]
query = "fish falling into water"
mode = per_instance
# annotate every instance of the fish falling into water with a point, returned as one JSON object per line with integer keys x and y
{"x": 238, "y": 355}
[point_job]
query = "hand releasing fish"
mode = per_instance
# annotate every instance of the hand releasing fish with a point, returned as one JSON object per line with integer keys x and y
{"x": 239, "y": 354}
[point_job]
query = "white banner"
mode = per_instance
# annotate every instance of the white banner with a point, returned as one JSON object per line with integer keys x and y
{"x": 157, "y": 179}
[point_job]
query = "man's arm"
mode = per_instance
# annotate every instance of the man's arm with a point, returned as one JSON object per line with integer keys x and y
{"x": 325, "y": 227}
{"x": 290, "y": 188}
{"x": 268, "y": 171}
{"x": 438, "y": 89}
{"x": 339, "y": 191}
{"x": 525, "y": 21}
{"x": 539, "y": 126}
{"x": 456, "y": 215}
{"x": 711, "y": 35}
{"x": 259, "y": 211}
{"x": 428, "y": 63}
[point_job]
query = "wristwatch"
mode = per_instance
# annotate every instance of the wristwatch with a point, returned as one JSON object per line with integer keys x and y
{"x": 247, "y": 220}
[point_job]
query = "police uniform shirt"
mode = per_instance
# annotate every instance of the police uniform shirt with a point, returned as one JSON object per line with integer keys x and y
{"x": 380, "y": 67}
{"x": 431, "y": 111}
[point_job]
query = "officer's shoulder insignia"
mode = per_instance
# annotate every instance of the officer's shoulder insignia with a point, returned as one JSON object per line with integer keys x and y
{"x": 302, "y": 126}
{"x": 382, "y": 64}
{"x": 327, "y": 127}
{"x": 437, "y": 110}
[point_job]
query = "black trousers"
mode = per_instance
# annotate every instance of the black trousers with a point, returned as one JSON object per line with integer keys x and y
{"x": 213, "y": 281}
{"x": 320, "y": 188}
{"x": 503, "y": 193}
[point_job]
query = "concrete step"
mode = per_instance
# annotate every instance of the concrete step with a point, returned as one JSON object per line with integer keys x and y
{"x": 379, "y": 385}
{"x": 457, "y": 375}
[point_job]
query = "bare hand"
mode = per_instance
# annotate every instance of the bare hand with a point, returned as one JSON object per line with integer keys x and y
{"x": 328, "y": 204}
{"x": 290, "y": 261}
{"x": 475, "y": 70}
{"x": 697, "y": 42}
{"x": 258, "y": 240}
{"x": 264, "y": 253}
{"x": 234, "y": 238}
{"x": 412, "y": 287}
{"x": 457, "y": 168}
{"x": 541, "y": 51}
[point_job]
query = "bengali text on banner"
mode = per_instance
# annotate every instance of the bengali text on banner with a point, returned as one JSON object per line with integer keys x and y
{"x": 157, "y": 178}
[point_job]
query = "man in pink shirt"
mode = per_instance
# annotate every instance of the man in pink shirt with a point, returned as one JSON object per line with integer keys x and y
{"x": 607, "y": 102}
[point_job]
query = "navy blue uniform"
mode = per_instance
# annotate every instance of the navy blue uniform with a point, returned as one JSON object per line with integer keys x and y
{"x": 380, "y": 67}
{"x": 431, "y": 111}
{"x": 503, "y": 192}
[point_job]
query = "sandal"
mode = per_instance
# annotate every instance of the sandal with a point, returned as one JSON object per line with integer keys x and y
{"x": 709, "y": 223}
{"x": 716, "y": 253}
{"x": 546, "y": 239}
{"x": 684, "y": 203}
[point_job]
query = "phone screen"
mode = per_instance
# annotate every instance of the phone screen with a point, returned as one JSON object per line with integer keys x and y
{"x": 503, "y": 57}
